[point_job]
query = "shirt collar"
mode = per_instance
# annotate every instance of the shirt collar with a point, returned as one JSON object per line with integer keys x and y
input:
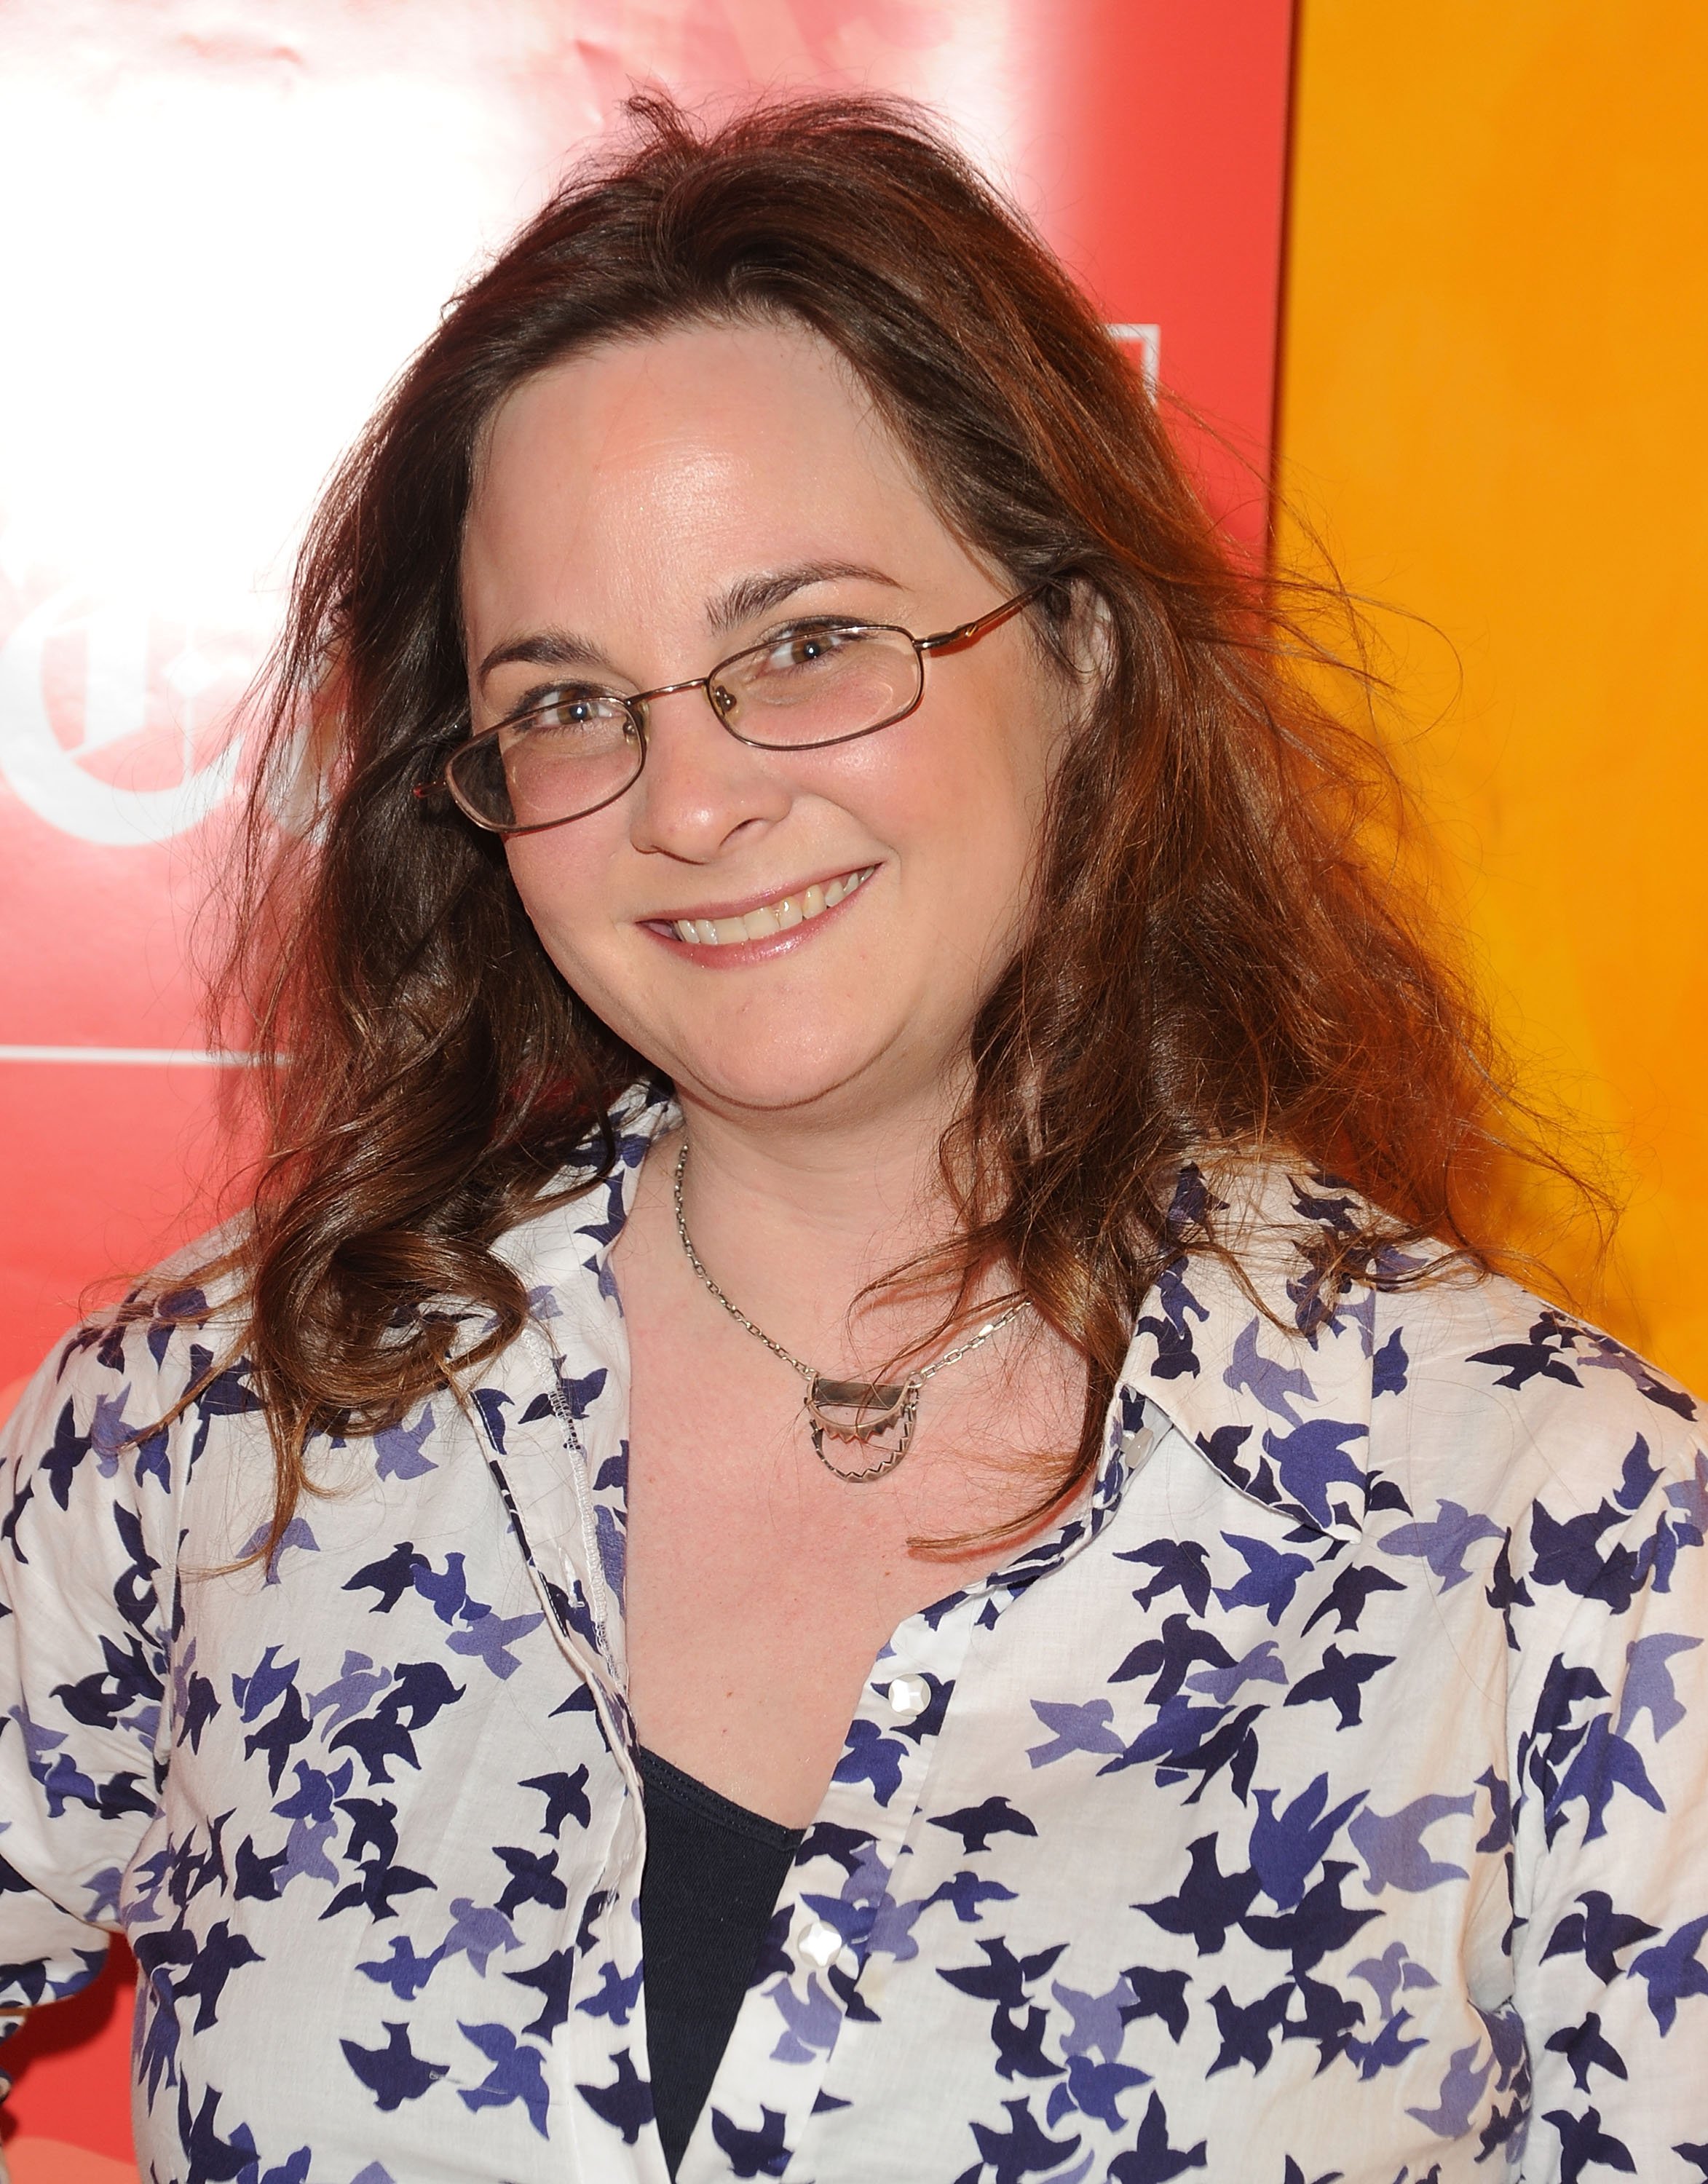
{"x": 1272, "y": 1377}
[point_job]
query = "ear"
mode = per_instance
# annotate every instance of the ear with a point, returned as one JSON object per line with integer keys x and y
{"x": 1083, "y": 642}
{"x": 1090, "y": 633}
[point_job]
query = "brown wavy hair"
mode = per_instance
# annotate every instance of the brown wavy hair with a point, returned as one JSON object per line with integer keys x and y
{"x": 1212, "y": 967}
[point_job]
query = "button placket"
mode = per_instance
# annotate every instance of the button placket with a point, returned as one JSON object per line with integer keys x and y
{"x": 907, "y": 1697}
{"x": 837, "y": 1890}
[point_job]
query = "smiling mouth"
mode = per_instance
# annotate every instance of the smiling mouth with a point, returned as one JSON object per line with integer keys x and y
{"x": 769, "y": 918}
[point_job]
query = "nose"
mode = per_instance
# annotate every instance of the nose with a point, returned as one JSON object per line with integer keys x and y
{"x": 701, "y": 788}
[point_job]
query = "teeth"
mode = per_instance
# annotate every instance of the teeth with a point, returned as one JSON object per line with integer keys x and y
{"x": 770, "y": 917}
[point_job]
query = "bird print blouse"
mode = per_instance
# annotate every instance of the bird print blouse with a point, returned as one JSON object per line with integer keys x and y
{"x": 1324, "y": 1801}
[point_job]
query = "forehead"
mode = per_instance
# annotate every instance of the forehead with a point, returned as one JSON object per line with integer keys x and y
{"x": 683, "y": 453}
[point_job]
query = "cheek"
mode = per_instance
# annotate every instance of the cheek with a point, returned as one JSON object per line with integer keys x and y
{"x": 559, "y": 883}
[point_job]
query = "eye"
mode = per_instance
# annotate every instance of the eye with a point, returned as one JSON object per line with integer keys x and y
{"x": 807, "y": 645}
{"x": 568, "y": 705}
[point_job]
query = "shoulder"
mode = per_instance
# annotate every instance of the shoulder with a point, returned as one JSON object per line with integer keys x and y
{"x": 1542, "y": 1406}
{"x": 120, "y": 1398}
{"x": 1432, "y": 1382}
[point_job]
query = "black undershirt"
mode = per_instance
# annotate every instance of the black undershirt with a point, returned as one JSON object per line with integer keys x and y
{"x": 712, "y": 1876}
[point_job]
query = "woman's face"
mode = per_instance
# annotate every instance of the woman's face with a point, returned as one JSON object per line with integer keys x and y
{"x": 644, "y": 511}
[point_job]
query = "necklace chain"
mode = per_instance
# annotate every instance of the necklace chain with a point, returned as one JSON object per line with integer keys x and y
{"x": 904, "y": 1405}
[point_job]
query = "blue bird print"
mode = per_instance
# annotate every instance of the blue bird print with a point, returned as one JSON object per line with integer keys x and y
{"x": 1648, "y": 1687}
{"x": 1247, "y": 2029}
{"x": 1584, "y": 2145}
{"x": 1673, "y": 1971}
{"x": 1339, "y": 1682}
{"x": 1261, "y": 1665}
{"x": 1585, "y": 2049}
{"x": 266, "y": 1681}
{"x": 1597, "y": 1933}
{"x": 975, "y": 1824}
{"x": 626, "y": 2103}
{"x": 1152, "y": 2160}
{"x": 357, "y": 1682}
{"x": 477, "y": 1933}
{"x": 1099, "y": 2020}
{"x": 1073, "y": 1728}
{"x": 1169, "y": 1655}
{"x": 1094, "y": 2089}
{"x": 393, "y": 2073}
{"x": 761, "y": 2153}
{"x": 1313, "y": 1458}
{"x": 1390, "y": 1973}
{"x": 1022, "y": 2150}
{"x": 965, "y": 1891}
{"x": 1604, "y": 1761}
{"x": 1182, "y": 1566}
{"x": 209, "y": 2158}
{"x": 489, "y": 1637}
{"x": 515, "y": 2073}
{"x": 64, "y": 1453}
{"x": 1274, "y": 1386}
{"x": 1393, "y": 1849}
{"x": 1387, "y": 2051}
{"x": 1286, "y": 1848}
{"x": 220, "y": 1953}
{"x": 1003, "y": 1978}
{"x": 617, "y": 1992}
{"x": 1160, "y": 1994}
{"x": 398, "y": 1449}
{"x": 1461, "y": 2089}
{"x": 401, "y": 1969}
{"x": 1442, "y": 1543}
{"x": 390, "y": 1577}
{"x": 1207, "y": 1902}
{"x": 533, "y": 1878}
{"x": 566, "y": 1799}
{"x": 1271, "y": 1578}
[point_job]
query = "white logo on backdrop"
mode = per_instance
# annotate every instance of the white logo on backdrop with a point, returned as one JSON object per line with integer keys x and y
{"x": 54, "y": 779}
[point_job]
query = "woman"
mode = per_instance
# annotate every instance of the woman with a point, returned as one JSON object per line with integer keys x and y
{"x": 825, "y": 886}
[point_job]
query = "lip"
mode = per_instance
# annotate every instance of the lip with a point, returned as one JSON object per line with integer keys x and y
{"x": 734, "y": 955}
{"x": 739, "y": 907}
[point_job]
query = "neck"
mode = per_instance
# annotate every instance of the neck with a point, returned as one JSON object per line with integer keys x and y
{"x": 793, "y": 1218}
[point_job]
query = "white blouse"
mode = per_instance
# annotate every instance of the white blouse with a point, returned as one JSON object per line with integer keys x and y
{"x": 1320, "y": 1801}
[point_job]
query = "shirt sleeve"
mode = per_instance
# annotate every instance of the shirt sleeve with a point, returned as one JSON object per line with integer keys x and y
{"x": 1610, "y": 1613}
{"x": 87, "y": 1568}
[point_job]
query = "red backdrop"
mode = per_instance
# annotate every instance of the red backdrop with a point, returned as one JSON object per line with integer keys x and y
{"x": 236, "y": 220}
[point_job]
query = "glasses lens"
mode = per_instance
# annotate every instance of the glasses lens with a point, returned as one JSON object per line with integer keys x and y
{"x": 816, "y": 684}
{"x": 564, "y": 758}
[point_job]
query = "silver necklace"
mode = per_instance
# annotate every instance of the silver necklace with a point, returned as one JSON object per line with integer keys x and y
{"x": 861, "y": 1411}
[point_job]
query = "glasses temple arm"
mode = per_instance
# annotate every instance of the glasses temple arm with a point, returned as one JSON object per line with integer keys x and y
{"x": 965, "y": 632}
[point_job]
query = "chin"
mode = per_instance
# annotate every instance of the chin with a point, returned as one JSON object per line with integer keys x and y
{"x": 785, "y": 1073}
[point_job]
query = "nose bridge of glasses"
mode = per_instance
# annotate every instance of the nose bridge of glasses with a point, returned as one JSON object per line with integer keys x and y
{"x": 641, "y": 704}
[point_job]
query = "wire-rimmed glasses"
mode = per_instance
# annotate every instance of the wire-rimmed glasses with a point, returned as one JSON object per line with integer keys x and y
{"x": 820, "y": 681}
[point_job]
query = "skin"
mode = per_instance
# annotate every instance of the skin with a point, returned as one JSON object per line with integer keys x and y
{"x": 640, "y": 498}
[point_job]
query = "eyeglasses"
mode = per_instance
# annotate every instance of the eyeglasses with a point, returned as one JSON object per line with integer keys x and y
{"x": 814, "y": 684}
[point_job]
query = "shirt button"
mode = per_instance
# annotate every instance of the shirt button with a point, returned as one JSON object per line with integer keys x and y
{"x": 819, "y": 1943}
{"x": 908, "y": 1696}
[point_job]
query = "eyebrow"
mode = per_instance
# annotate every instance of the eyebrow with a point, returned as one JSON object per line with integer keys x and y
{"x": 743, "y": 601}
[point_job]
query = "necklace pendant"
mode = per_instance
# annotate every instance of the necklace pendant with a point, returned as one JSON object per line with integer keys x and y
{"x": 856, "y": 1410}
{"x": 862, "y": 1411}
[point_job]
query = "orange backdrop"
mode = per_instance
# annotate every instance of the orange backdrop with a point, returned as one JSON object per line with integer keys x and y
{"x": 1496, "y": 330}
{"x": 235, "y": 224}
